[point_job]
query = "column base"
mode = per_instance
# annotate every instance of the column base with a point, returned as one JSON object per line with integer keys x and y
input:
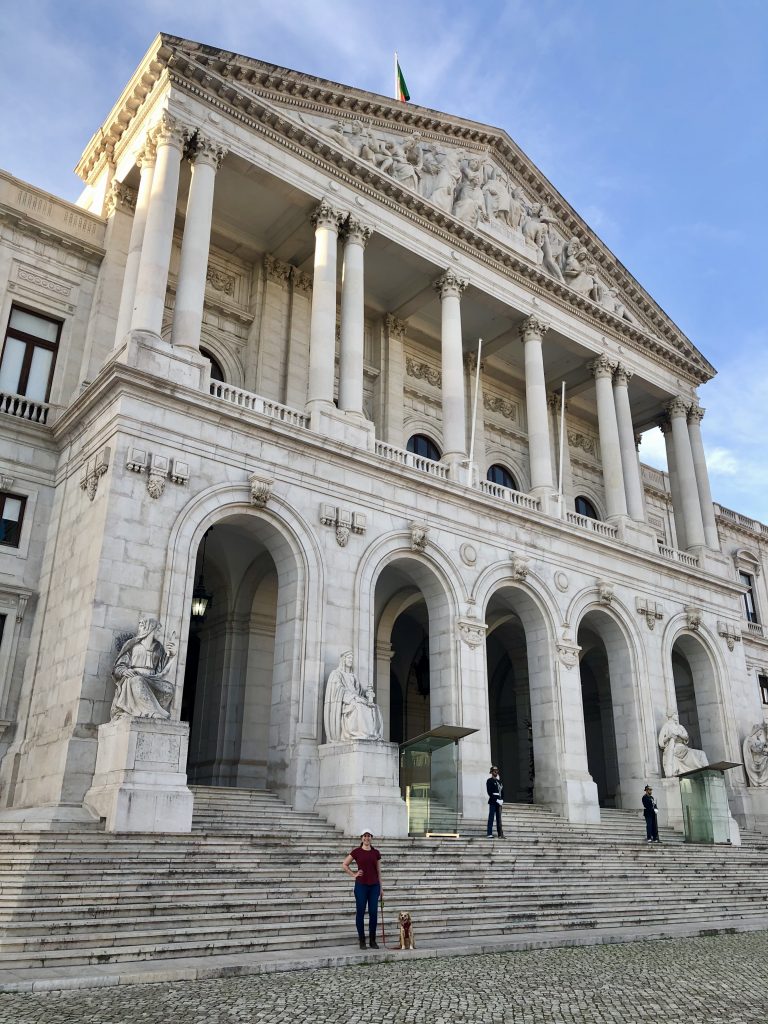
{"x": 637, "y": 535}
{"x": 140, "y": 783}
{"x": 360, "y": 788}
{"x": 573, "y": 798}
{"x": 147, "y": 351}
{"x": 549, "y": 501}
{"x": 351, "y": 428}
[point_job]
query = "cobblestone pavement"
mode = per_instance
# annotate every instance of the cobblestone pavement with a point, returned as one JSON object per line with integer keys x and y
{"x": 711, "y": 980}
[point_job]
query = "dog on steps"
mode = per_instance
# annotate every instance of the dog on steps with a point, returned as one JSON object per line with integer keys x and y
{"x": 405, "y": 926}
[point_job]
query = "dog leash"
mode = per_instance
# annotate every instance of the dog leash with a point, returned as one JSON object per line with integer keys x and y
{"x": 383, "y": 936}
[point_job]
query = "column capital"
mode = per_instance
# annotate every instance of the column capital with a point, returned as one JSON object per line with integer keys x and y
{"x": 533, "y": 327}
{"x": 664, "y": 424}
{"x": 356, "y": 231}
{"x": 622, "y": 376}
{"x": 148, "y": 154}
{"x": 395, "y": 326}
{"x": 678, "y": 407}
{"x": 327, "y": 216}
{"x": 120, "y": 197}
{"x": 205, "y": 151}
{"x": 601, "y": 367}
{"x": 169, "y": 131}
{"x": 450, "y": 285}
{"x": 301, "y": 282}
{"x": 276, "y": 270}
{"x": 696, "y": 413}
{"x": 555, "y": 400}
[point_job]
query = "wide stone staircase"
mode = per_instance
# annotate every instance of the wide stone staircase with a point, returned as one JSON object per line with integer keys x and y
{"x": 255, "y": 876}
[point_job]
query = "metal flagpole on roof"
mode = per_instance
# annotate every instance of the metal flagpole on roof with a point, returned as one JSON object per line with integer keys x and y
{"x": 561, "y": 503}
{"x": 474, "y": 413}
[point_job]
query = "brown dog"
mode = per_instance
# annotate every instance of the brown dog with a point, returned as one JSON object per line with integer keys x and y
{"x": 406, "y": 930}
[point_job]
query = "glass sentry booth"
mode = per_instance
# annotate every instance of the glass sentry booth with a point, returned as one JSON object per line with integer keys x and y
{"x": 429, "y": 780}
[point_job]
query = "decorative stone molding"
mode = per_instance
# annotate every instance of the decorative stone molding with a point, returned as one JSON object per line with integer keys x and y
{"x": 696, "y": 413}
{"x": 419, "y": 535}
{"x": 678, "y": 407}
{"x": 693, "y": 617}
{"x": 158, "y": 473}
{"x": 326, "y": 216}
{"x": 219, "y": 281}
{"x": 6, "y": 482}
{"x": 562, "y": 582}
{"x": 652, "y": 611}
{"x": 423, "y": 371}
{"x": 664, "y": 424}
{"x": 601, "y": 367}
{"x": 520, "y": 568}
{"x": 622, "y": 376}
{"x": 395, "y": 327}
{"x": 604, "y": 592}
{"x": 468, "y": 553}
{"x": 121, "y": 197}
{"x": 493, "y": 403}
{"x": 261, "y": 489}
{"x": 576, "y": 439}
{"x": 179, "y": 472}
{"x": 21, "y": 606}
{"x": 148, "y": 154}
{"x": 471, "y": 631}
{"x": 356, "y": 231}
{"x": 276, "y": 270}
{"x": 301, "y": 282}
{"x": 568, "y": 652}
{"x": 747, "y": 561}
{"x": 343, "y": 520}
{"x": 93, "y": 470}
{"x": 450, "y": 285}
{"x": 533, "y": 327}
{"x": 731, "y": 634}
{"x": 170, "y": 132}
{"x": 136, "y": 461}
{"x": 42, "y": 282}
{"x": 204, "y": 150}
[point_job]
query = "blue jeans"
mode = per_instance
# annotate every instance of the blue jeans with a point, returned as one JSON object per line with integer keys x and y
{"x": 367, "y": 895}
{"x": 494, "y": 811}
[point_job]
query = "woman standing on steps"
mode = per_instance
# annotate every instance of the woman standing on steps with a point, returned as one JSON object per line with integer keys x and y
{"x": 367, "y": 886}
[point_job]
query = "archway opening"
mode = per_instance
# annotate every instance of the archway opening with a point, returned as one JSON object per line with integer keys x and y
{"x": 696, "y": 692}
{"x": 600, "y": 734}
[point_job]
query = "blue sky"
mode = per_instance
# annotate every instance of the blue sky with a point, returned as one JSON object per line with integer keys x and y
{"x": 649, "y": 117}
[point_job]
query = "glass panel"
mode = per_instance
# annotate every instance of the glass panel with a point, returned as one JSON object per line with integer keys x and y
{"x": 10, "y": 371}
{"x": 39, "y": 371}
{"x": 705, "y": 808}
{"x": 12, "y": 509}
{"x": 429, "y": 782}
{"x": 35, "y": 325}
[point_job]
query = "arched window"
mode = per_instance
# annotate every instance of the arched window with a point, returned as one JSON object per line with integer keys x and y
{"x": 216, "y": 371}
{"x": 420, "y": 444}
{"x": 500, "y": 475}
{"x": 584, "y": 507}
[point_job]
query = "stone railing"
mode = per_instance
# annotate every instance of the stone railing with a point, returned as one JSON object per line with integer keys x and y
{"x": 754, "y": 629}
{"x": 24, "y": 408}
{"x": 674, "y": 555}
{"x": 511, "y": 497}
{"x": 255, "y": 403}
{"x": 727, "y": 514}
{"x": 55, "y": 214}
{"x": 595, "y": 525}
{"x": 418, "y": 462}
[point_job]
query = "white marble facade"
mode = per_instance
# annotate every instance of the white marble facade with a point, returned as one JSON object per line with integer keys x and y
{"x": 266, "y": 307}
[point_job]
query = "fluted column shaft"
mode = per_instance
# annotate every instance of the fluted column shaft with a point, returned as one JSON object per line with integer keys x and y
{"x": 450, "y": 287}
{"x": 695, "y": 417}
{"x": 190, "y": 291}
{"x": 322, "y": 329}
{"x": 356, "y": 235}
{"x": 610, "y": 449}
{"x": 146, "y": 162}
{"x": 532, "y": 331}
{"x": 633, "y": 488}
{"x": 152, "y": 278}
{"x": 688, "y": 487}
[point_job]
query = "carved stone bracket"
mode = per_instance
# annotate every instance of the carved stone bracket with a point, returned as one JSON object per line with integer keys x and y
{"x": 158, "y": 469}
{"x": 137, "y": 460}
{"x": 520, "y": 567}
{"x": 471, "y": 631}
{"x": 419, "y": 535}
{"x": 261, "y": 489}
{"x": 159, "y": 466}
{"x": 693, "y": 616}
{"x": 731, "y": 634}
{"x": 652, "y": 611}
{"x": 568, "y": 653}
{"x": 343, "y": 520}
{"x": 21, "y": 606}
{"x": 179, "y": 472}
{"x": 93, "y": 470}
{"x": 604, "y": 592}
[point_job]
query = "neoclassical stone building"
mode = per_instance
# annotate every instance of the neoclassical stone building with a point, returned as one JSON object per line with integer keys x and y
{"x": 245, "y": 366}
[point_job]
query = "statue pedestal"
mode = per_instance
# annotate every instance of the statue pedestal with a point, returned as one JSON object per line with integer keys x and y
{"x": 360, "y": 788}
{"x": 140, "y": 782}
{"x": 671, "y": 806}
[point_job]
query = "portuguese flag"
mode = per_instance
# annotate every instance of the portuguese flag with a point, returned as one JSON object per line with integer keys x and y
{"x": 401, "y": 89}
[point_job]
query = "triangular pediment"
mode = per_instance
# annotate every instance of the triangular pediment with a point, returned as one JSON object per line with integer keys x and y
{"x": 465, "y": 179}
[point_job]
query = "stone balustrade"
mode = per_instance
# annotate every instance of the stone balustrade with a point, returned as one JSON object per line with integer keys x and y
{"x": 25, "y": 408}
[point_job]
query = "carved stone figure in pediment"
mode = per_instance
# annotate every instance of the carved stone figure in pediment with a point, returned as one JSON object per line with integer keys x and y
{"x": 142, "y": 664}
{"x": 469, "y": 204}
{"x": 498, "y": 198}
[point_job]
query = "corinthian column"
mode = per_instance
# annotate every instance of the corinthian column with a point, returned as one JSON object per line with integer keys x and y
{"x": 532, "y": 331}
{"x": 450, "y": 288}
{"x": 146, "y": 163}
{"x": 695, "y": 417}
{"x": 322, "y": 329}
{"x": 613, "y": 475}
{"x": 152, "y": 278}
{"x": 356, "y": 235}
{"x": 206, "y": 159}
{"x": 633, "y": 487}
{"x": 665, "y": 427}
{"x": 687, "y": 486}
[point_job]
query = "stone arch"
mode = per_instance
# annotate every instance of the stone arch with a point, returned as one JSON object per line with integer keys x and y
{"x": 585, "y": 489}
{"x": 227, "y": 360}
{"x": 510, "y": 460}
{"x": 415, "y": 424}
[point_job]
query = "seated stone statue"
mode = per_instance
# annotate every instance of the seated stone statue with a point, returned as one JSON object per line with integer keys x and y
{"x": 141, "y": 667}
{"x": 350, "y": 712}
{"x": 677, "y": 756}
{"x": 755, "y": 750}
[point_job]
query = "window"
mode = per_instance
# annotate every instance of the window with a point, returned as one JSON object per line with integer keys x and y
{"x": 29, "y": 355}
{"x": 216, "y": 371}
{"x": 11, "y": 518}
{"x": 420, "y": 444}
{"x": 498, "y": 474}
{"x": 750, "y": 609}
{"x": 763, "y": 683}
{"x": 584, "y": 507}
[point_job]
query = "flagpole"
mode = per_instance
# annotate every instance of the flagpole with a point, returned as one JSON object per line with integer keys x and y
{"x": 474, "y": 411}
{"x": 397, "y": 82}
{"x": 560, "y": 471}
